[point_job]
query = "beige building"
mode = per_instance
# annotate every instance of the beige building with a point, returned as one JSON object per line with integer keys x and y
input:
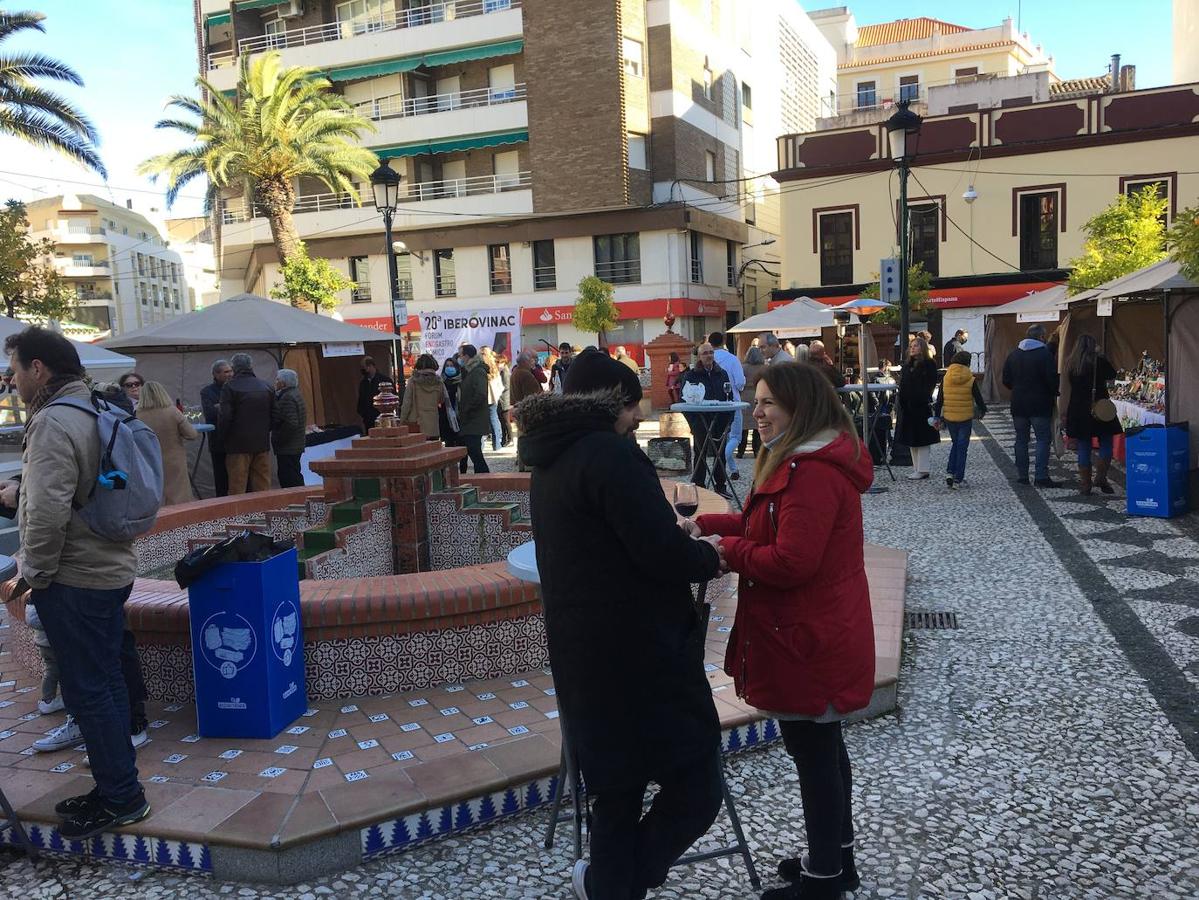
{"x": 531, "y": 158}
{"x": 1186, "y": 41}
{"x": 881, "y": 64}
{"x": 124, "y": 274}
{"x": 191, "y": 238}
{"x": 997, "y": 196}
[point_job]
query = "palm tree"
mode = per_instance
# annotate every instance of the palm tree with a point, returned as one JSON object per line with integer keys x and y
{"x": 33, "y": 114}
{"x": 284, "y": 123}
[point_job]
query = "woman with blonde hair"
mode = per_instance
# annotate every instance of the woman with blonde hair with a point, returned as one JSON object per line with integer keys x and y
{"x": 495, "y": 390}
{"x": 155, "y": 408}
{"x": 917, "y": 381}
{"x": 802, "y": 645}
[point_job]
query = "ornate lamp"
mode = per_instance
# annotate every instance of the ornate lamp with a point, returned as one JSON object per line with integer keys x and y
{"x": 387, "y": 401}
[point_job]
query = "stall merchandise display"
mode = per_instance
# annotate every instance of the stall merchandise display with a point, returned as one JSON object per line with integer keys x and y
{"x": 1140, "y": 394}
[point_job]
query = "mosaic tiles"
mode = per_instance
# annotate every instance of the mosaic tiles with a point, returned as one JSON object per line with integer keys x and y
{"x": 365, "y": 550}
{"x": 130, "y": 849}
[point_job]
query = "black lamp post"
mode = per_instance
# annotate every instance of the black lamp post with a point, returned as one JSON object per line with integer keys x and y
{"x": 903, "y": 132}
{"x": 386, "y": 187}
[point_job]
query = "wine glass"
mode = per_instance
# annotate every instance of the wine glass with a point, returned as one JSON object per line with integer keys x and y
{"x": 728, "y": 390}
{"x": 686, "y": 499}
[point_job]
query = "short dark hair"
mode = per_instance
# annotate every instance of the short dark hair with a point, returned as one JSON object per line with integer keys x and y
{"x": 565, "y": 345}
{"x": 962, "y": 358}
{"x": 470, "y": 351}
{"x": 716, "y": 339}
{"x": 426, "y": 361}
{"x": 140, "y": 378}
{"x": 55, "y": 351}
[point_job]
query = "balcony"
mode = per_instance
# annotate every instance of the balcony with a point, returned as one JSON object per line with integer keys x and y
{"x": 545, "y": 278}
{"x": 422, "y": 205}
{"x": 410, "y": 120}
{"x": 444, "y": 285}
{"x": 69, "y": 268}
{"x": 92, "y": 296}
{"x": 353, "y": 43}
{"x": 360, "y": 293}
{"x": 620, "y": 271}
{"x": 697, "y": 271}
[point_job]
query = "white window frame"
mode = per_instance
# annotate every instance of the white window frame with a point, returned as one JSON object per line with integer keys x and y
{"x": 634, "y": 57}
{"x": 638, "y": 151}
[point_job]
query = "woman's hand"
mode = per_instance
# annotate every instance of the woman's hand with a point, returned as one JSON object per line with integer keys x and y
{"x": 714, "y": 540}
{"x": 691, "y": 528}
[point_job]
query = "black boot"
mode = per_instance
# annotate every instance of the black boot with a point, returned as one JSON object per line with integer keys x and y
{"x": 807, "y": 888}
{"x": 792, "y": 869}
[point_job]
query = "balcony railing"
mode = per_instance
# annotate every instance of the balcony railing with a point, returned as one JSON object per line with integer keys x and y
{"x": 501, "y": 282}
{"x": 83, "y": 296}
{"x": 697, "y": 271}
{"x": 731, "y": 275}
{"x": 68, "y": 263}
{"x": 222, "y": 60}
{"x": 545, "y": 278}
{"x": 424, "y": 190}
{"x": 404, "y": 288}
{"x": 360, "y": 293}
{"x": 445, "y": 285}
{"x": 396, "y": 105}
{"x": 621, "y": 271}
{"x": 390, "y": 21}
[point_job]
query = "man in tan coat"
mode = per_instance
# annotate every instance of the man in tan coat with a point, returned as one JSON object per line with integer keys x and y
{"x": 77, "y": 580}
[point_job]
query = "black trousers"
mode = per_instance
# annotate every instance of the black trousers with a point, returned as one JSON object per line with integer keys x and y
{"x": 826, "y": 787}
{"x": 631, "y": 853}
{"x": 289, "y": 469}
{"x": 745, "y": 437}
{"x": 474, "y": 451}
{"x": 220, "y": 475}
{"x": 505, "y": 426}
{"x": 699, "y": 425}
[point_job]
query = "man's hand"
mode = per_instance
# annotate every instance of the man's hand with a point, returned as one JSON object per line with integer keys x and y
{"x": 714, "y": 540}
{"x": 690, "y": 528}
{"x": 8, "y": 493}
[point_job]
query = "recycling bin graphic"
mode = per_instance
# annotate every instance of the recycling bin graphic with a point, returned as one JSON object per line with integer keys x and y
{"x": 248, "y": 648}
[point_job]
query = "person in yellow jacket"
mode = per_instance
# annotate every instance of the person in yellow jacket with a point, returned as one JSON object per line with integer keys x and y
{"x": 957, "y": 404}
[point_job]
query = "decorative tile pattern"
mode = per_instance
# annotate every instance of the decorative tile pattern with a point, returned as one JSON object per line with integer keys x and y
{"x": 129, "y": 849}
{"x": 365, "y": 551}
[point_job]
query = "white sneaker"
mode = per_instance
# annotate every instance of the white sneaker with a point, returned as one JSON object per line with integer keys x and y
{"x": 55, "y": 705}
{"x": 136, "y": 739}
{"x": 578, "y": 879}
{"x": 917, "y": 476}
{"x": 65, "y": 735}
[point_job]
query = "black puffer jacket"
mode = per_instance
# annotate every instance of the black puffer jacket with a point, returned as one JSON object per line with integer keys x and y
{"x": 625, "y": 641}
{"x": 290, "y": 422}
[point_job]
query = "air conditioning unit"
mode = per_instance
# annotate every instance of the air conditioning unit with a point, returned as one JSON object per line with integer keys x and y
{"x": 292, "y": 10}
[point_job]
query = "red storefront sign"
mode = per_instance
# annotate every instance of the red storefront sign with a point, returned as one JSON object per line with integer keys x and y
{"x": 629, "y": 309}
{"x": 385, "y": 324}
{"x": 959, "y": 297}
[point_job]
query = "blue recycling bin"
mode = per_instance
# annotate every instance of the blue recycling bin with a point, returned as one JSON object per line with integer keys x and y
{"x": 1155, "y": 465}
{"x": 248, "y": 648}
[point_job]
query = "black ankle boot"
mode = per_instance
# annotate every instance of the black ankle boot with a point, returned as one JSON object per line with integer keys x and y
{"x": 792, "y": 869}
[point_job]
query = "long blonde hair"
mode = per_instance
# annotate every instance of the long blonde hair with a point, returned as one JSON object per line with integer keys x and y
{"x": 154, "y": 396}
{"x": 488, "y": 355}
{"x": 806, "y": 393}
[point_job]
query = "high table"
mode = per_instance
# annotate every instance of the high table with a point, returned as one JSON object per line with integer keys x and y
{"x": 715, "y": 437}
{"x": 522, "y": 564}
{"x": 204, "y": 428}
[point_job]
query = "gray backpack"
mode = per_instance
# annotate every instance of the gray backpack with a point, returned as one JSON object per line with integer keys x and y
{"x": 127, "y": 493}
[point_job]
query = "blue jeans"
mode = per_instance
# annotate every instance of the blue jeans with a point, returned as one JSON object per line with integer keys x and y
{"x": 496, "y": 436}
{"x": 1040, "y": 426}
{"x": 1084, "y": 449}
{"x": 959, "y": 434}
{"x": 85, "y": 628}
{"x": 734, "y": 440}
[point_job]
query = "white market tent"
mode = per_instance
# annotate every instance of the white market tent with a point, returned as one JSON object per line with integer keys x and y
{"x": 101, "y": 364}
{"x": 802, "y": 317}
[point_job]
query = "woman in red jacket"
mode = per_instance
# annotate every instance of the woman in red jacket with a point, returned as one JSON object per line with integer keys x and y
{"x": 802, "y": 647}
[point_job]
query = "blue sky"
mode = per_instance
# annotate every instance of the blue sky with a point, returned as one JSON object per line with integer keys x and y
{"x": 133, "y": 54}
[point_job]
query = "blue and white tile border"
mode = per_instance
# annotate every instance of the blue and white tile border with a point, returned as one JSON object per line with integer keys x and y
{"x": 118, "y": 847}
{"x": 404, "y": 833}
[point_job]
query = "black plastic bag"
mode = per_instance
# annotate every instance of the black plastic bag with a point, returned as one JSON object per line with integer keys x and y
{"x": 245, "y": 546}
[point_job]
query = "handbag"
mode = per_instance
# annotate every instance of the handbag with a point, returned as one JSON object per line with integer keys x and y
{"x": 1102, "y": 410}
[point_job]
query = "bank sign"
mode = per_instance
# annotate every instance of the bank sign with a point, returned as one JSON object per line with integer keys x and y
{"x": 442, "y": 333}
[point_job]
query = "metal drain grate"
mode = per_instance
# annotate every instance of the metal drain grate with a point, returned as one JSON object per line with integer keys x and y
{"x": 933, "y": 620}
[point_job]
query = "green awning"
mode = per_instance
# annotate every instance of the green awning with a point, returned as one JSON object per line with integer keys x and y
{"x": 453, "y": 145}
{"x": 444, "y": 58}
{"x": 217, "y": 19}
{"x": 258, "y": 4}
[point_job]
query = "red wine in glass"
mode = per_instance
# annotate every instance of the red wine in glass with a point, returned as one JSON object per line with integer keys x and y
{"x": 686, "y": 500}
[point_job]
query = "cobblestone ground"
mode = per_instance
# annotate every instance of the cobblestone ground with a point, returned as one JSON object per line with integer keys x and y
{"x": 1044, "y": 749}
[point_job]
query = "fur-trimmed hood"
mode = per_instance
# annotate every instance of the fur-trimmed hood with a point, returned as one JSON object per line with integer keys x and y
{"x": 551, "y": 423}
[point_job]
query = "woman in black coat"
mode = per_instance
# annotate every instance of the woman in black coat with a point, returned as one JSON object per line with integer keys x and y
{"x": 625, "y": 640}
{"x": 917, "y": 381}
{"x": 1089, "y": 372}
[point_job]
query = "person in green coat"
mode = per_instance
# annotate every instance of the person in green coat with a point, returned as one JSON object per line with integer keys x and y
{"x": 474, "y": 419}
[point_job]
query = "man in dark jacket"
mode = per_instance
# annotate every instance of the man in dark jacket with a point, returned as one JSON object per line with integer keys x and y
{"x": 474, "y": 420}
{"x": 246, "y": 413}
{"x": 210, "y": 400}
{"x": 713, "y": 378}
{"x": 288, "y": 426}
{"x": 1030, "y": 373}
{"x": 614, "y": 569}
{"x": 954, "y": 346}
{"x": 368, "y": 387}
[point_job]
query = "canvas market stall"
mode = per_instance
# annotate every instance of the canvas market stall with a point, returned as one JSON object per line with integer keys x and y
{"x": 325, "y": 353}
{"x": 802, "y": 319}
{"x": 1007, "y": 325}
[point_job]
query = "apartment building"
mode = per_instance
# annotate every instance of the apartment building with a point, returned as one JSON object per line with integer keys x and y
{"x": 191, "y": 238}
{"x": 123, "y": 272}
{"x": 531, "y": 159}
{"x": 997, "y": 197}
{"x": 881, "y": 64}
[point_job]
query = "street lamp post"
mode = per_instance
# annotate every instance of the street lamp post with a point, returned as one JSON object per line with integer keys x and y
{"x": 385, "y": 184}
{"x": 903, "y": 132}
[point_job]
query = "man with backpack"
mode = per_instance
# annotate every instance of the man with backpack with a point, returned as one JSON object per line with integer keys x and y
{"x": 77, "y": 558}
